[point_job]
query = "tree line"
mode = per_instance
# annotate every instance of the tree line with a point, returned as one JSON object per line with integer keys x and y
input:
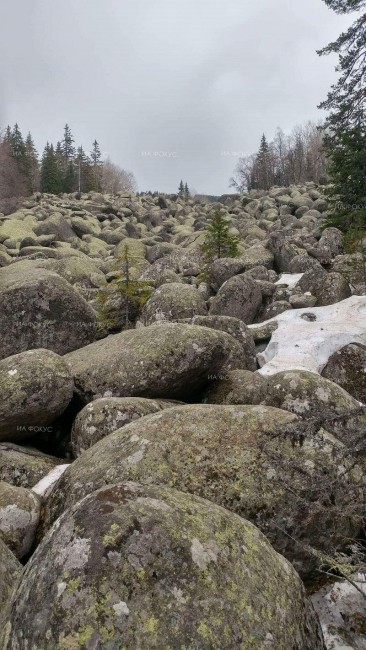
{"x": 334, "y": 150}
{"x": 62, "y": 168}
{"x": 287, "y": 159}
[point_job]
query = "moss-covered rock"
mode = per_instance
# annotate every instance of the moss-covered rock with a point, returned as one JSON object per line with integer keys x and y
{"x": 347, "y": 368}
{"x": 170, "y": 360}
{"x": 19, "y": 516}
{"x": 24, "y": 466}
{"x": 10, "y": 572}
{"x": 103, "y": 416}
{"x": 146, "y": 567}
{"x": 239, "y": 297}
{"x": 39, "y": 309}
{"x": 77, "y": 270}
{"x": 307, "y": 394}
{"x": 233, "y": 456}
{"x": 237, "y": 329}
{"x": 237, "y": 387}
{"x": 35, "y": 388}
{"x": 173, "y": 301}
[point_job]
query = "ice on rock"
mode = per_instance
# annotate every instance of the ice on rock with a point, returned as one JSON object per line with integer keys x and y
{"x": 306, "y": 338}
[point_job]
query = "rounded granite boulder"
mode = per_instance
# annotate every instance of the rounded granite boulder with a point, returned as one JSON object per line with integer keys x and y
{"x": 19, "y": 516}
{"x": 236, "y": 456}
{"x": 170, "y": 360}
{"x": 39, "y": 309}
{"x": 147, "y": 567}
{"x": 173, "y": 301}
{"x": 107, "y": 414}
{"x": 35, "y": 388}
{"x": 10, "y": 572}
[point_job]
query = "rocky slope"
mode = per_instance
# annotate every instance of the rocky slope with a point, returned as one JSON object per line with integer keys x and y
{"x": 139, "y": 469}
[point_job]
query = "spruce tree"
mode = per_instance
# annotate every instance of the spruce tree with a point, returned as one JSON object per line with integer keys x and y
{"x": 50, "y": 176}
{"x": 219, "y": 241}
{"x": 348, "y": 173}
{"x": 181, "y": 189}
{"x": 263, "y": 165}
{"x": 68, "y": 173}
{"x": 67, "y": 145}
{"x": 124, "y": 292}
{"x": 96, "y": 161}
{"x": 347, "y": 98}
{"x": 18, "y": 148}
{"x": 32, "y": 164}
{"x": 84, "y": 170}
{"x": 345, "y": 124}
{"x": 187, "y": 193}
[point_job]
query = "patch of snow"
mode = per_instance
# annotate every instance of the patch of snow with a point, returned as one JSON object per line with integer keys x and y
{"x": 290, "y": 279}
{"x": 339, "y": 606}
{"x": 306, "y": 338}
{"x": 45, "y": 486}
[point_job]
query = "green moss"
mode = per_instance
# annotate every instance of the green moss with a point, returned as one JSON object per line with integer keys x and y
{"x": 151, "y": 625}
{"x": 85, "y": 634}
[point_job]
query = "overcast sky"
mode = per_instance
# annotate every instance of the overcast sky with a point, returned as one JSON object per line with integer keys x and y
{"x": 171, "y": 89}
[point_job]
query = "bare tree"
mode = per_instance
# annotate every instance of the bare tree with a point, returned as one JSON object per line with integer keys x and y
{"x": 296, "y": 158}
{"x": 115, "y": 179}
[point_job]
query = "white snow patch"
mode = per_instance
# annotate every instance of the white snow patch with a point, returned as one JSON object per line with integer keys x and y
{"x": 12, "y": 372}
{"x": 306, "y": 338}
{"x": 45, "y": 486}
{"x": 336, "y": 605}
{"x": 290, "y": 279}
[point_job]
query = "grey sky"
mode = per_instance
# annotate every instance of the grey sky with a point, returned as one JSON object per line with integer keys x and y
{"x": 190, "y": 81}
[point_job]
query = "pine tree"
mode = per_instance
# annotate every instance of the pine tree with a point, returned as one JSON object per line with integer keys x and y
{"x": 347, "y": 98}
{"x": 264, "y": 165}
{"x": 96, "y": 161}
{"x": 50, "y": 176}
{"x": 348, "y": 172}
{"x": 219, "y": 241}
{"x": 67, "y": 145}
{"x": 345, "y": 138}
{"x": 85, "y": 175}
{"x": 124, "y": 292}
{"x": 181, "y": 189}
{"x": 187, "y": 193}
{"x": 8, "y": 136}
{"x": 32, "y": 164}
{"x": 18, "y": 148}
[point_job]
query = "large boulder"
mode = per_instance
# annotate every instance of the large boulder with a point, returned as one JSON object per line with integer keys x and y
{"x": 173, "y": 301}
{"x": 347, "y": 368}
{"x": 24, "y": 466}
{"x": 239, "y": 297}
{"x": 237, "y": 329}
{"x": 39, "y": 309}
{"x": 77, "y": 270}
{"x": 328, "y": 288}
{"x": 55, "y": 224}
{"x": 237, "y": 387}
{"x": 225, "y": 268}
{"x": 233, "y": 456}
{"x": 148, "y": 567}
{"x": 170, "y": 360}
{"x": 311, "y": 396}
{"x": 10, "y": 572}
{"x": 35, "y": 388}
{"x": 103, "y": 416}
{"x": 19, "y": 516}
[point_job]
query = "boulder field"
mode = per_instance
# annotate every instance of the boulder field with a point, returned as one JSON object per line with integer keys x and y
{"x": 183, "y": 449}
